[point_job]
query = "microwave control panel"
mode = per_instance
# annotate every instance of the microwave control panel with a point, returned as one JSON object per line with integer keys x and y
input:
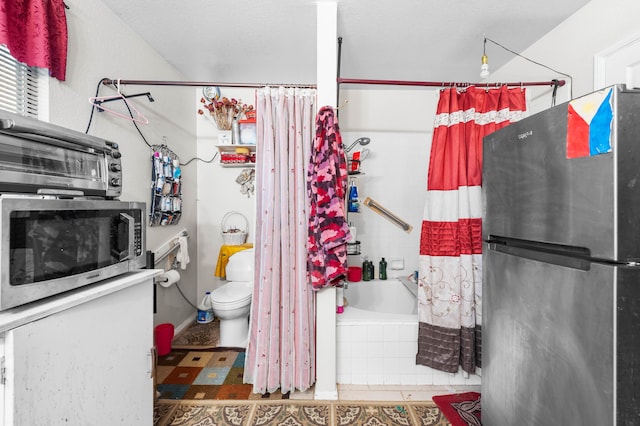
{"x": 114, "y": 171}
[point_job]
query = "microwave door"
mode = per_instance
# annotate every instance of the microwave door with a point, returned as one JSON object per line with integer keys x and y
{"x": 125, "y": 245}
{"x": 62, "y": 239}
{"x": 27, "y": 164}
{"x": 49, "y": 244}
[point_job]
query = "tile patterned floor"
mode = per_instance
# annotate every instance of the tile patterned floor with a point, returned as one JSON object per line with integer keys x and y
{"x": 217, "y": 374}
{"x": 213, "y": 374}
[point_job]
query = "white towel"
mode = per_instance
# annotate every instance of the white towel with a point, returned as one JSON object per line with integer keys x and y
{"x": 183, "y": 252}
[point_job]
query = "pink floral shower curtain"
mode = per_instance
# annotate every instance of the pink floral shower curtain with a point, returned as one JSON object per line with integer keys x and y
{"x": 281, "y": 349}
{"x": 450, "y": 270}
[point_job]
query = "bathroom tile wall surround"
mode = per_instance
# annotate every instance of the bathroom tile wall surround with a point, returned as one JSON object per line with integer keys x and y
{"x": 385, "y": 354}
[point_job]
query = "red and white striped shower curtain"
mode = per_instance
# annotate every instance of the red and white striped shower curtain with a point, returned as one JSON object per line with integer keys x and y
{"x": 281, "y": 348}
{"x": 450, "y": 283}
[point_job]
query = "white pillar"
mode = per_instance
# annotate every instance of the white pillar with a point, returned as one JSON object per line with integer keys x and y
{"x": 327, "y": 52}
{"x": 327, "y": 30}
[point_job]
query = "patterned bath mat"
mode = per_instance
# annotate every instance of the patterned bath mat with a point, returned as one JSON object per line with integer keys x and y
{"x": 237, "y": 413}
{"x": 198, "y": 336}
{"x": 461, "y": 409}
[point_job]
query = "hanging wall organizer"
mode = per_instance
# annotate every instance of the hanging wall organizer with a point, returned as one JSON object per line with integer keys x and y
{"x": 166, "y": 187}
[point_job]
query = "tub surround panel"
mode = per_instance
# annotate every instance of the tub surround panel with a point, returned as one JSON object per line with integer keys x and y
{"x": 375, "y": 348}
{"x": 387, "y": 359}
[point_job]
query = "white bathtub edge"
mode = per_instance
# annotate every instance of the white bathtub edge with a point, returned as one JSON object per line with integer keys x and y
{"x": 410, "y": 285}
{"x": 353, "y": 315}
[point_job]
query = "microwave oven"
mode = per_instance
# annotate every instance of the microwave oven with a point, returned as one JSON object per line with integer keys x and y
{"x": 49, "y": 246}
{"x": 62, "y": 225}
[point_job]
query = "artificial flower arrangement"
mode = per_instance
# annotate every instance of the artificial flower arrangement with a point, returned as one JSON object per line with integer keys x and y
{"x": 225, "y": 111}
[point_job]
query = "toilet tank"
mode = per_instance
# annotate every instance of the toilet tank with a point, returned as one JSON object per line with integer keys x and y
{"x": 240, "y": 266}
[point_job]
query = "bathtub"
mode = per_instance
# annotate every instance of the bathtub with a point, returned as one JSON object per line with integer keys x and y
{"x": 390, "y": 300}
{"x": 377, "y": 338}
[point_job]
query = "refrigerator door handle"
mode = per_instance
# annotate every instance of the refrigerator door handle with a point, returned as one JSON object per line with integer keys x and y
{"x": 556, "y": 254}
{"x": 558, "y": 249}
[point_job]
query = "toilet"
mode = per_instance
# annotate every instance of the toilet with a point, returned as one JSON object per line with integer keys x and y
{"x": 231, "y": 302}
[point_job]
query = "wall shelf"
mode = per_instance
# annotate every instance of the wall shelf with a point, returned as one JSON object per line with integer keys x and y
{"x": 353, "y": 248}
{"x": 237, "y": 165}
{"x": 229, "y": 157}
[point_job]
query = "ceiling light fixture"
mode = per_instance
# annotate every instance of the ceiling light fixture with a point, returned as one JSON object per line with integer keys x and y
{"x": 484, "y": 68}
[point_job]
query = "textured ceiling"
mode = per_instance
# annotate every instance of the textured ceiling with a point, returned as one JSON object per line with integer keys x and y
{"x": 274, "y": 41}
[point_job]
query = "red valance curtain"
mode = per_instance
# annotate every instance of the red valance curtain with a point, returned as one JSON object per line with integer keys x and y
{"x": 450, "y": 285}
{"x": 35, "y": 32}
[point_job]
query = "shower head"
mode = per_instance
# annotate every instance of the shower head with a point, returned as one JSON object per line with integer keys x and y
{"x": 361, "y": 141}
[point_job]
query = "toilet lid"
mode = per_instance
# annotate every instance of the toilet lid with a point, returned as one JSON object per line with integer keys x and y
{"x": 233, "y": 292}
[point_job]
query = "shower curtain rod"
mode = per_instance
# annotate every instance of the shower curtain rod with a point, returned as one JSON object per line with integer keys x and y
{"x": 340, "y": 80}
{"x": 107, "y": 82}
{"x": 447, "y": 84}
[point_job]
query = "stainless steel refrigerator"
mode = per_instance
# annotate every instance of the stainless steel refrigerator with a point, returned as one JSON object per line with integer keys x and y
{"x": 561, "y": 271}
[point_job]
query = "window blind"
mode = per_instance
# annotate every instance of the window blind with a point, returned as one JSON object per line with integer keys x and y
{"x": 18, "y": 85}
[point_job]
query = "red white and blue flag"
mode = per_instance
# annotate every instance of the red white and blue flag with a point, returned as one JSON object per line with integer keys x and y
{"x": 589, "y": 125}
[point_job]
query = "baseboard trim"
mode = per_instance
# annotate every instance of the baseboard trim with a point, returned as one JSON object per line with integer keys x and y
{"x": 326, "y": 395}
{"x": 184, "y": 324}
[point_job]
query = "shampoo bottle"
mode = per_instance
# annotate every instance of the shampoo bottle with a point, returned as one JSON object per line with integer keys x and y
{"x": 382, "y": 270}
{"x": 353, "y": 204}
{"x": 367, "y": 272}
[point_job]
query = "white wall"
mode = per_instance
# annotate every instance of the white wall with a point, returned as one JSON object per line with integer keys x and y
{"x": 100, "y": 45}
{"x": 571, "y": 46}
{"x": 399, "y": 124}
{"x": 217, "y": 194}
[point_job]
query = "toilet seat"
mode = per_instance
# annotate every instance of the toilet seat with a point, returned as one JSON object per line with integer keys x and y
{"x": 232, "y": 295}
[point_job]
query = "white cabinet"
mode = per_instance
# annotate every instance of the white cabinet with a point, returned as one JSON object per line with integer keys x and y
{"x": 88, "y": 364}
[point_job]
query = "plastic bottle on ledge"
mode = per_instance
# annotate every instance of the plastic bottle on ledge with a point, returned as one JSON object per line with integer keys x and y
{"x": 205, "y": 310}
{"x": 339, "y": 300}
{"x": 353, "y": 232}
{"x": 235, "y": 132}
{"x": 382, "y": 270}
{"x": 367, "y": 270}
{"x": 353, "y": 204}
